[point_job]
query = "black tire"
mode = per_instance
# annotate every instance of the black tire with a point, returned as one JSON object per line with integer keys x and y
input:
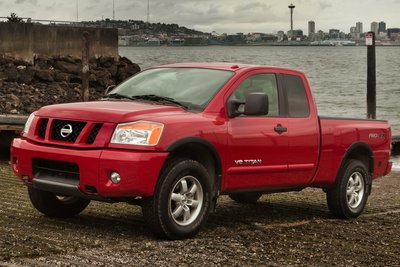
{"x": 183, "y": 218}
{"x": 56, "y": 206}
{"x": 348, "y": 197}
{"x": 245, "y": 198}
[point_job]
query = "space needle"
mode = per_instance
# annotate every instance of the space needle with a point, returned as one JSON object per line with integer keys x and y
{"x": 291, "y": 16}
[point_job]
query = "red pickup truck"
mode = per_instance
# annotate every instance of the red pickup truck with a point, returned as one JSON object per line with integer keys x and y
{"x": 174, "y": 137}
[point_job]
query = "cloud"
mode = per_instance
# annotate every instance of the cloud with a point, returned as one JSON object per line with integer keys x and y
{"x": 33, "y": 2}
{"x": 218, "y": 15}
{"x": 229, "y": 16}
{"x": 324, "y": 5}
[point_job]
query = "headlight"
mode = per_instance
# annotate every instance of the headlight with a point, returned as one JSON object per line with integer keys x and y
{"x": 143, "y": 133}
{"x": 28, "y": 123}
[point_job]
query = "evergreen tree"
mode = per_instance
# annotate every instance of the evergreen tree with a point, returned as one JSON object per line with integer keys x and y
{"x": 14, "y": 18}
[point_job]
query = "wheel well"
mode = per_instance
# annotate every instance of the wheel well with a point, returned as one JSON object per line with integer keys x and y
{"x": 362, "y": 153}
{"x": 203, "y": 154}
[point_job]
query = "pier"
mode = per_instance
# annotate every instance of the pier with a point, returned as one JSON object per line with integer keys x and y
{"x": 14, "y": 123}
{"x": 396, "y": 144}
{"x": 10, "y": 127}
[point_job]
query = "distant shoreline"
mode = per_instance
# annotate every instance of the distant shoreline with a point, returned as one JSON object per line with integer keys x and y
{"x": 257, "y": 45}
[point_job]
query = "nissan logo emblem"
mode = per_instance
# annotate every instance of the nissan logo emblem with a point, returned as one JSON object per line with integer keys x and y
{"x": 66, "y": 130}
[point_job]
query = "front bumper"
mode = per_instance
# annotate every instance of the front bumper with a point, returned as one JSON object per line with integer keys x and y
{"x": 139, "y": 169}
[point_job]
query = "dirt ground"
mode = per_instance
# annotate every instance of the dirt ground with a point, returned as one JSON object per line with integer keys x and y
{"x": 289, "y": 229}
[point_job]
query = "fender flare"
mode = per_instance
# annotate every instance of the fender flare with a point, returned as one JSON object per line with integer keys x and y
{"x": 370, "y": 168}
{"x": 200, "y": 141}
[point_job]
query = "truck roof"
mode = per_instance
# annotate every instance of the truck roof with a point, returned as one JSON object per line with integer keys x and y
{"x": 220, "y": 66}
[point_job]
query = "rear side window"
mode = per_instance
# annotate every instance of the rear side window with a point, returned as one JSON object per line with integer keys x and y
{"x": 297, "y": 98}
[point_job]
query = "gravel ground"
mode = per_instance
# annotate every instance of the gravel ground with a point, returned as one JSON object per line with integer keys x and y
{"x": 288, "y": 229}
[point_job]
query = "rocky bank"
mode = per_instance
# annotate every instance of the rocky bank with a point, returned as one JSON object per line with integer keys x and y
{"x": 25, "y": 87}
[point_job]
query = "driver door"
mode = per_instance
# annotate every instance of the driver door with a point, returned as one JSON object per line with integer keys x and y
{"x": 258, "y": 144}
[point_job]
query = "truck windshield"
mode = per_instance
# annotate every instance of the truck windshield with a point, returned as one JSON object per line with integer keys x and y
{"x": 192, "y": 87}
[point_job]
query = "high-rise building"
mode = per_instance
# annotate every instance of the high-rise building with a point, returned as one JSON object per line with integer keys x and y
{"x": 382, "y": 27}
{"x": 311, "y": 28}
{"x": 359, "y": 27}
{"x": 374, "y": 27}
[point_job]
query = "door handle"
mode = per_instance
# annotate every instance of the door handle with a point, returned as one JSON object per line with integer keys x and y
{"x": 280, "y": 129}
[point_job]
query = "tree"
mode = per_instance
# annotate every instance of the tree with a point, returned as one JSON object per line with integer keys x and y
{"x": 14, "y": 18}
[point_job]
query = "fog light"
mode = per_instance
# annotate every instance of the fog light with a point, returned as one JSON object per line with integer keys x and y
{"x": 115, "y": 177}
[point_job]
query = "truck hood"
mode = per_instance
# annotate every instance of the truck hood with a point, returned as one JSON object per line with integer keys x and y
{"x": 109, "y": 111}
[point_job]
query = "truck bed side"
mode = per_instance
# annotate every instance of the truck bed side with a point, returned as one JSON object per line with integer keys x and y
{"x": 355, "y": 138}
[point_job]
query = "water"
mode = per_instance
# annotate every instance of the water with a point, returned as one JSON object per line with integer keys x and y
{"x": 338, "y": 75}
{"x": 396, "y": 163}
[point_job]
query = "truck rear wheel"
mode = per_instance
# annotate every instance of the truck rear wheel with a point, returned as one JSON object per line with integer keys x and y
{"x": 245, "y": 198}
{"x": 348, "y": 197}
{"x": 53, "y": 205}
{"x": 181, "y": 201}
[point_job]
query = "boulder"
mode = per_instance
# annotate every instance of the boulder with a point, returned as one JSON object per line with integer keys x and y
{"x": 42, "y": 61}
{"x": 61, "y": 76}
{"x": 125, "y": 71}
{"x": 3, "y": 76}
{"x": 20, "y": 62}
{"x": 26, "y": 75}
{"x": 67, "y": 67}
{"x": 106, "y": 62}
{"x": 68, "y": 59}
{"x": 75, "y": 79}
{"x": 113, "y": 70}
{"x": 13, "y": 100}
{"x": 45, "y": 75}
{"x": 100, "y": 79}
{"x": 25, "y": 88}
{"x": 11, "y": 72}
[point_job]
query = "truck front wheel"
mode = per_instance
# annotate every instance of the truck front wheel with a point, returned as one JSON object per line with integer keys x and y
{"x": 348, "y": 197}
{"x": 181, "y": 202}
{"x": 53, "y": 205}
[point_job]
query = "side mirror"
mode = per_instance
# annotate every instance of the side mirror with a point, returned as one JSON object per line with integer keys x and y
{"x": 235, "y": 108}
{"x": 256, "y": 104}
{"x": 109, "y": 89}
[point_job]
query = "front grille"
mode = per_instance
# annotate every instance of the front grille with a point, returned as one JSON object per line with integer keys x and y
{"x": 55, "y": 170}
{"x": 43, "y": 127}
{"x": 67, "y": 131}
{"x": 93, "y": 133}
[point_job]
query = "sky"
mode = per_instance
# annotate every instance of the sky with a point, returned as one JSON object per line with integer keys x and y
{"x": 222, "y": 16}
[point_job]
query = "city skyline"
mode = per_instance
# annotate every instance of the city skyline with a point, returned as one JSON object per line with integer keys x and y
{"x": 222, "y": 16}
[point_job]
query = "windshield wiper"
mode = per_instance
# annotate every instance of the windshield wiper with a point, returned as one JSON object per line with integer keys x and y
{"x": 158, "y": 98}
{"x": 119, "y": 96}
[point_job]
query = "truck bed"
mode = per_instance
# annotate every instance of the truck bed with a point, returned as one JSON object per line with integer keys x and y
{"x": 338, "y": 137}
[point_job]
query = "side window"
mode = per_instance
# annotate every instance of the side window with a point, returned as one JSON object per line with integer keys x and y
{"x": 265, "y": 83}
{"x": 296, "y": 96}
